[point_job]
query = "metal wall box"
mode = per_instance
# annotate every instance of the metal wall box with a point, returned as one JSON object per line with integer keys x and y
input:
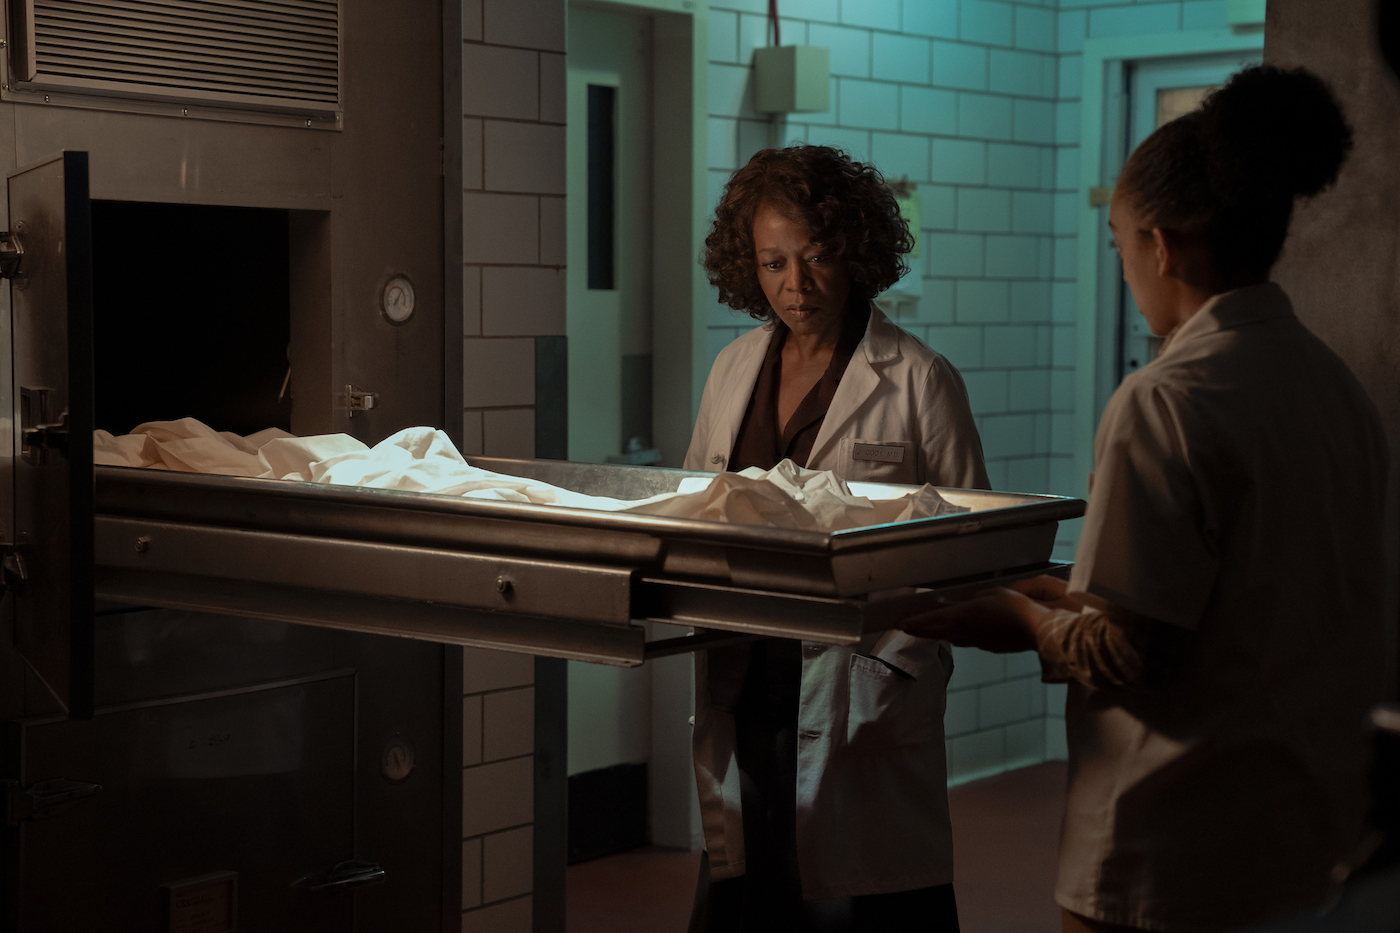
{"x": 792, "y": 79}
{"x": 264, "y": 62}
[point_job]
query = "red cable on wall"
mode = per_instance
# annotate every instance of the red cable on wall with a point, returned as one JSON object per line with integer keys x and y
{"x": 773, "y": 15}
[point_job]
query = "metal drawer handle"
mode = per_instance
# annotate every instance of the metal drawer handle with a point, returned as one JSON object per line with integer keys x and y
{"x": 352, "y": 873}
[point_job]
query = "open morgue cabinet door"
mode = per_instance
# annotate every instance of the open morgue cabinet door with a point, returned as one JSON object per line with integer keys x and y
{"x": 47, "y": 256}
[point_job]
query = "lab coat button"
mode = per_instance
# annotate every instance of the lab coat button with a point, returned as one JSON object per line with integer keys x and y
{"x": 813, "y": 651}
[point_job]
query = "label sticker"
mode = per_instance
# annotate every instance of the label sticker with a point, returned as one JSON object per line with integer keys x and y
{"x": 883, "y": 453}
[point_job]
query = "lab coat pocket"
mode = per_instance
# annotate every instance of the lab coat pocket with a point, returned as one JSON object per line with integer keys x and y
{"x": 878, "y": 461}
{"x": 880, "y": 705}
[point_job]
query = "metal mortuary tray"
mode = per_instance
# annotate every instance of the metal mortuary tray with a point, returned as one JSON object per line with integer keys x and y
{"x": 546, "y": 580}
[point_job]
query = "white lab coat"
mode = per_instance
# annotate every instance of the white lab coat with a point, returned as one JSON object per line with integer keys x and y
{"x": 872, "y": 806}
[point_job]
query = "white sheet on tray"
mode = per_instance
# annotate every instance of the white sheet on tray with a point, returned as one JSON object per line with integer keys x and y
{"x": 425, "y": 460}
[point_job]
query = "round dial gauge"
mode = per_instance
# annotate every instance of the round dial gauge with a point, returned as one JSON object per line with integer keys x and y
{"x": 396, "y": 763}
{"x": 397, "y": 300}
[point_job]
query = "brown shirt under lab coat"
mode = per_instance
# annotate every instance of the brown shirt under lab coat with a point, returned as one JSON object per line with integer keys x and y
{"x": 762, "y": 442}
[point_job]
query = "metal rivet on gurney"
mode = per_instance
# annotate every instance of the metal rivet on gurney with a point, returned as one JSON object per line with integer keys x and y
{"x": 142, "y": 543}
{"x": 503, "y": 585}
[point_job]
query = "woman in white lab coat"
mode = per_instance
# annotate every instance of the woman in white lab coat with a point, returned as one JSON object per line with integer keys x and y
{"x": 1222, "y": 633}
{"x": 821, "y": 769}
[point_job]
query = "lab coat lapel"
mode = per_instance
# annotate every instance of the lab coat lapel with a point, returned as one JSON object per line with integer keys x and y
{"x": 737, "y": 392}
{"x": 880, "y": 345}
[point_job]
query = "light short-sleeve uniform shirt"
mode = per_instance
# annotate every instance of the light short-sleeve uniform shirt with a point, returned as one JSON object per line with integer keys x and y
{"x": 1237, "y": 493}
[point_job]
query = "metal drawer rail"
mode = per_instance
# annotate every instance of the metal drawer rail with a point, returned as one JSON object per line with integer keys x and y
{"x": 560, "y": 638}
{"x": 566, "y": 589}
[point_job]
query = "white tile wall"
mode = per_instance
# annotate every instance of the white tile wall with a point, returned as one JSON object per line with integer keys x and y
{"x": 471, "y": 873}
{"x": 524, "y": 157}
{"x": 472, "y": 154}
{"x": 522, "y": 300}
{"x": 498, "y": 82}
{"x": 978, "y": 100}
{"x": 500, "y": 228}
{"x": 508, "y": 864}
{"x": 499, "y": 372}
{"x": 513, "y": 105}
{"x": 531, "y": 24}
{"x": 508, "y": 724}
{"x": 508, "y": 432}
{"x": 471, "y": 433}
{"x": 506, "y": 917}
{"x": 498, "y": 738}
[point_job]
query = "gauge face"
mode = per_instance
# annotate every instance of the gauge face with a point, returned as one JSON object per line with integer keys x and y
{"x": 396, "y": 763}
{"x": 397, "y": 300}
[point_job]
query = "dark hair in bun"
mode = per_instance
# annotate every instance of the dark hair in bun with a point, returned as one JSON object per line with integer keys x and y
{"x": 1229, "y": 172}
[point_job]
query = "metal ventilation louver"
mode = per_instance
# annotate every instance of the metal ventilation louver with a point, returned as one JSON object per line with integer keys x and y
{"x": 262, "y": 54}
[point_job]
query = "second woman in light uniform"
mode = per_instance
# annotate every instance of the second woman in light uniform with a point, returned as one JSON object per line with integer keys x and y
{"x": 1223, "y": 631}
{"x": 821, "y": 769}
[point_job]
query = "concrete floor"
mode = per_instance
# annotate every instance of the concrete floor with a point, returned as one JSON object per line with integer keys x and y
{"x": 1005, "y": 831}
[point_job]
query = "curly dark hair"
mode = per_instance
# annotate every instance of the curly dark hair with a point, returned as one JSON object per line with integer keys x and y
{"x": 846, "y": 204}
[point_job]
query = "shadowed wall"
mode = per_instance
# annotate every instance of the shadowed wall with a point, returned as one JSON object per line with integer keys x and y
{"x": 1342, "y": 262}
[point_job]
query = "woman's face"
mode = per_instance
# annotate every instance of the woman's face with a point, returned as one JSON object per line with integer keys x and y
{"x": 805, "y": 285}
{"x": 1144, "y": 264}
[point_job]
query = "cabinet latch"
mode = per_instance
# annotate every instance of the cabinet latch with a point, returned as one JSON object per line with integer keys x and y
{"x": 359, "y": 400}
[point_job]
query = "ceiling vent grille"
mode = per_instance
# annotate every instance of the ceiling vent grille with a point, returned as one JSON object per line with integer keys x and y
{"x": 261, "y": 54}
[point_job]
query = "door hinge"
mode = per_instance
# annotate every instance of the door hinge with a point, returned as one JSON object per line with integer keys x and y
{"x": 43, "y": 799}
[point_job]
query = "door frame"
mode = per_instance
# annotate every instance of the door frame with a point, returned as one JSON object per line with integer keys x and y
{"x": 1102, "y": 97}
{"x": 680, "y": 163}
{"x": 680, "y": 362}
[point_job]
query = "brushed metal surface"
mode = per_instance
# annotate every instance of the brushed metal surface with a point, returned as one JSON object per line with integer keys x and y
{"x": 192, "y": 785}
{"x": 561, "y": 638}
{"x": 587, "y": 593}
{"x": 1005, "y": 530}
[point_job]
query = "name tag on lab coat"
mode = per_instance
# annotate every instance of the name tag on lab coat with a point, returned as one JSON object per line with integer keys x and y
{"x": 878, "y": 452}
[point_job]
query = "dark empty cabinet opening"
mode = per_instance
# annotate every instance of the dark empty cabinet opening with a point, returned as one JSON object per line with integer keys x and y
{"x": 193, "y": 313}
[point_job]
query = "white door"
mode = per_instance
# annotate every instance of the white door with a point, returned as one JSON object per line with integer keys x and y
{"x": 609, "y": 232}
{"x": 1159, "y": 91}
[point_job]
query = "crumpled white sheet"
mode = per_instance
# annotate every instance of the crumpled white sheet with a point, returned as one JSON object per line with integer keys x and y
{"x": 425, "y": 460}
